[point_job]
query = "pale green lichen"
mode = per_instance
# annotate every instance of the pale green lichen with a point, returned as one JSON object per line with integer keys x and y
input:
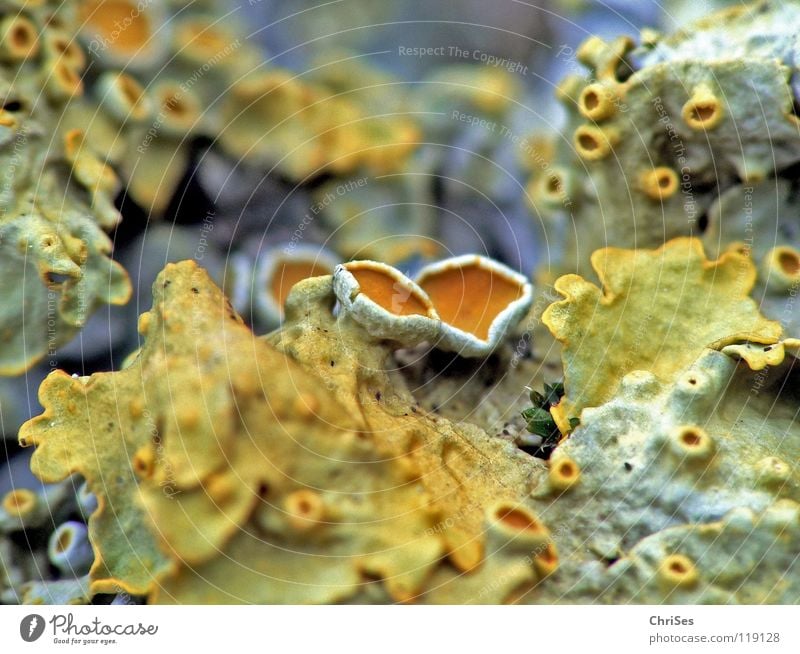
{"x": 679, "y": 452}
{"x": 673, "y": 459}
{"x": 659, "y": 131}
{"x": 56, "y": 198}
{"x": 323, "y": 464}
{"x": 363, "y": 215}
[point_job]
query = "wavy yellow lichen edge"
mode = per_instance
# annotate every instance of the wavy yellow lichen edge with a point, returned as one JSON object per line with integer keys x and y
{"x": 60, "y": 390}
{"x": 212, "y": 470}
{"x": 759, "y": 354}
{"x": 711, "y": 306}
{"x": 101, "y": 426}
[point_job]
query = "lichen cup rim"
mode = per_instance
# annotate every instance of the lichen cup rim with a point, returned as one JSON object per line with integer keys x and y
{"x": 454, "y": 339}
{"x": 378, "y": 321}
{"x": 268, "y": 264}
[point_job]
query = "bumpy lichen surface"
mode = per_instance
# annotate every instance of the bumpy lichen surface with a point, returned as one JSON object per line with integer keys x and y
{"x": 651, "y": 473}
{"x": 324, "y": 463}
{"x": 57, "y": 196}
{"x": 161, "y": 74}
{"x": 299, "y": 468}
{"x": 656, "y": 311}
{"x": 662, "y": 135}
{"x": 177, "y": 72}
{"x": 233, "y": 472}
{"x": 23, "y": 568}
{"x": 760, "y": 221}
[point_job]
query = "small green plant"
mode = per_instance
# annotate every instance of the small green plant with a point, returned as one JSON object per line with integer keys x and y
{"x": 540, "y": 420}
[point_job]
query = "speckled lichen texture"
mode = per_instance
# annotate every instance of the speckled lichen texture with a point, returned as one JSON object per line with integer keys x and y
{"x": 283, "y": 470}
{"x": 333, "y": 460}
{"x": 300, "y": 468}
{"x": 90, "y": 109}
{"x": 694, "y": 133}
{"x": 180, "y": 71}
{"x": 56, "y": 195}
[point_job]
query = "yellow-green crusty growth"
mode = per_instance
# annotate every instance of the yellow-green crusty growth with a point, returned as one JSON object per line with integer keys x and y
{"x": 235, "y": 473}
{"x": 718, "y": 562}
{"x": 305, "y": 129}
{"x": 160, "y": 84}
{"x": 69, "y": 142}
{"x": 299, "y": 467}
{"x": 56, "y": 193}
{"x": 656, "y": 132}
{"x": 655, "y": 310}
{"x": 179, "y": 71}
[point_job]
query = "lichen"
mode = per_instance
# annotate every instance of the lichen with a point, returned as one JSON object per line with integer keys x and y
{"x": 62, "y": 591}
{"x": 307, "y": 129}
{"x": 663, "y": 462}
{"x": 380, "y": 446}
{"x": 656, "y": 311}
{"x": 299, "y": 467}
{"x": 362, "y": 215}
{"x": 759, "y": 221}
{"x": 465, "y": 304}
{"x": 56, "y": 198}
{"x": 25, "y": 512}
{"x": 198, "y": 502}
{"x": 660, "y": 130}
